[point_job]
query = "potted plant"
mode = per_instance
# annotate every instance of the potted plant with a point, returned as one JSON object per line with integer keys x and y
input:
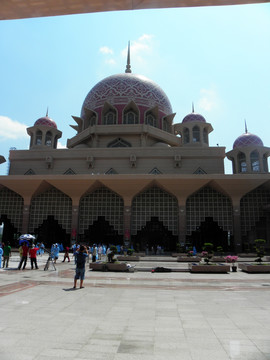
{"x": 207, "y": 252}
{"x": 232, "y": 259}
{"x": 259, "y": 246}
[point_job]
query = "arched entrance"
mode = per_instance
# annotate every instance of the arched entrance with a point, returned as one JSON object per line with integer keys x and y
{"x": 154, "y": 219}
{"x": 101, "y": 217}
{"x": 11, "y": 210}
{"x": 101, "y": 232}
{"x": 255, "y": 217}
{"x": 50, "y": 232}
{"x": 210, "y": 232}
{"x": 152, "y": 235}
{"x": 9, "y": 234}
{"x": 50, "y": 217}
{"x": 209, "y": 219}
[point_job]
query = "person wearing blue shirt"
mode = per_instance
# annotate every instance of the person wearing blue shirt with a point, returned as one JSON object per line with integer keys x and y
{"x": 81, "y": 256}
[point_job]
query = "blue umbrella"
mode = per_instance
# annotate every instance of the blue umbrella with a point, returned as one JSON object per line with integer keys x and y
{"x": 26, "y": 238}
{"x": 24, "y": 241}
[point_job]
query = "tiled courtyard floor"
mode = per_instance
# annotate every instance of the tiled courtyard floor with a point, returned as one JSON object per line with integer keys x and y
{"x": 133, "y": 316}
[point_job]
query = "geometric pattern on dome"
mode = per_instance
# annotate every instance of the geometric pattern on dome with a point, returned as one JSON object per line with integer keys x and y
{"x": 123, "y": 88}
{"x": 193, "y": 117}
{"x": 247, "y": 139}
{"x": 46, "y": 121}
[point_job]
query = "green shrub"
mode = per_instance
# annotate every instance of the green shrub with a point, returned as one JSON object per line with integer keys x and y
{"x": 259, "y": 246}
{"x": 130, "y": 252}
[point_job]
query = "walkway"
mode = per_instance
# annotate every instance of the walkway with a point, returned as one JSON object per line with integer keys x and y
{"x": 133, "y": 316}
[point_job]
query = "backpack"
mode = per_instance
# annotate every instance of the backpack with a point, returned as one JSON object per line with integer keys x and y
{"x": 80, "y": 260}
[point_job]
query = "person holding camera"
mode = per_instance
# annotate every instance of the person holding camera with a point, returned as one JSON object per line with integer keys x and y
{"x": 80, "y": 257}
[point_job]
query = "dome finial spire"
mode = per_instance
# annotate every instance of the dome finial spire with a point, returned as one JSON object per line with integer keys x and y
{"x": 47, "y": 112}
{"x": 128, "y": 67}
{"x": 192, "y": 106}
{"x": 246, "y": 130}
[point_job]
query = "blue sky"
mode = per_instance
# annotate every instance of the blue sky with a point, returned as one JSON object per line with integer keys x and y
{"x": 216, "y": 57}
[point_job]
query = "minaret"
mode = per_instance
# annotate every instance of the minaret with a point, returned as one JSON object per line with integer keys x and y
{"x": 128, "y": 67}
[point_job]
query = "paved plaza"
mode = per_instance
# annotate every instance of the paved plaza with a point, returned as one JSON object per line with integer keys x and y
{"x": 133, "y": 316}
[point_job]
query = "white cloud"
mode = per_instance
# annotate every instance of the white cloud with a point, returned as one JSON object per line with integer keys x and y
{"x": 208, "y": 99}
{"x": 12, "y": 129}
{"x": 141, "y": 46}
{"x": 60, "y": 145}
{"x": 110, "y": 61}
{"x": 106, "y": 50}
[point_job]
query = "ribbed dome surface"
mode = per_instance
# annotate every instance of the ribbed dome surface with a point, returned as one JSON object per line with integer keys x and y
{"x": 194, "y": 117}
{"x": 46, "y": 121}
{"x": 120, "y": 89}
{"x": 247, "y": 139}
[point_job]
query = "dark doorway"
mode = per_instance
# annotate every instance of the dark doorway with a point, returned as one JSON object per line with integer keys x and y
{"x": 50, "y": 232}
{"x": 101, "y": 232}
{"x": 210, "y": 232}
{"x": 154, "y": 233}
{"x": 10, "y": 234}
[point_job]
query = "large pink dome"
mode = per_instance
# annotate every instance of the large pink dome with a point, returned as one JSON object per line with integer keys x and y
{"x": 120, "y": 89}
{"x": 194, "y": 117}
{"x": 45, "y": 121}
{"x": 247, "y": 139}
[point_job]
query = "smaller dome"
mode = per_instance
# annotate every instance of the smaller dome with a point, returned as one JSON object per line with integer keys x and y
{"x": 45, "y": 121}
{"x": 194, "y": 117}
{"x": 247, "y": 139}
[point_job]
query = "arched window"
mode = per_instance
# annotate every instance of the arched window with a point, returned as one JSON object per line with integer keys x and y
{"x": 92, "y": 120}
{"x": 165, "y": 125}
{"x": 265, "y": 164}
{"x": 196, "y": 134}
{"x": 39, "y": 138}
{"x": 186, "y": 136}
{"x": 151, "y": 120}
{"x": 48, "y": 139}
{"x": 205, "y": 136}
{"x": 110, "y": 118}
{"x": 255, "y": 162}
{"x": 242, "y": 164}
{"x": 130, "y": 117}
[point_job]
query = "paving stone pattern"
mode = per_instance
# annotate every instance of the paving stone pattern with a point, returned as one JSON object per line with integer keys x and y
{"x": 133, "y": 316}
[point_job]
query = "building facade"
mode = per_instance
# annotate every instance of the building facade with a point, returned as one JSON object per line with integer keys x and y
{"x": 131, "y": 175}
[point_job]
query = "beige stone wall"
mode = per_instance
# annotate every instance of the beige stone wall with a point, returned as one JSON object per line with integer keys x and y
{"x": 174, "y": 160}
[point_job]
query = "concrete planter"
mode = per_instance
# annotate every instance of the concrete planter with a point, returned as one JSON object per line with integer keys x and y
{"x": 178, "y": 254}
{"x": 254, "y": 268}
{"x": 128, "y": 258}
{"x": 96, "y": 266}
{"x": 188, "y": 259}
{"x": 218, "y": 259}
{"x": 214, "y": 268}
{"x": 247, "y": 255}
{"x": 117, "y": 267}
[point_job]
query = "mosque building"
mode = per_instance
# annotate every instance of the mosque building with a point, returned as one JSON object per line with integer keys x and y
{"x": 132, "y": 175}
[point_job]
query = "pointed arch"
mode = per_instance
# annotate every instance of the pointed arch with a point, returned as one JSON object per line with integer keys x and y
{"x": 154, "y": 202}
{"x": 102, "y": 202}
{"x": 11, "y": 206}
{"x": 109, "y": 114}
{"x": 119, "y": 143}
{"x": 131, "y": 114}
{"x": 208, "y": 202}
{"x": 51, "y": 202}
